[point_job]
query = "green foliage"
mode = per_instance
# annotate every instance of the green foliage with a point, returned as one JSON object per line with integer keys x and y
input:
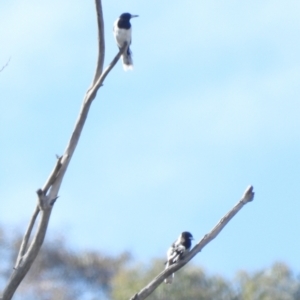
{"x": 190, "y": 283}
{"x": 276, "y": 283}
{"x": 62, "y": 273}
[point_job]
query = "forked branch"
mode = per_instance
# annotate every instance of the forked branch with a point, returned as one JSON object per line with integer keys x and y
{"x": 49, "y": 193}
{"x": 3, "y": 67}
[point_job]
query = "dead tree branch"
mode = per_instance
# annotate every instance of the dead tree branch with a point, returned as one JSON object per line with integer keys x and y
{"x": 101, "y": 40}
{"x": 146, "y": 291}
{"x": 49, "y": 193}
{"x": 5, "y": 65}
{"x": 26, "y": 237}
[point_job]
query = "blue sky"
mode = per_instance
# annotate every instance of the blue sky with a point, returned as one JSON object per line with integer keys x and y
{"x": 211, "y": 107}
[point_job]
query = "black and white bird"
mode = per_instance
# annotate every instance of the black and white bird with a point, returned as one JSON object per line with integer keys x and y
{"x": 177, "y": 251}
{"x": 122, "y": 32}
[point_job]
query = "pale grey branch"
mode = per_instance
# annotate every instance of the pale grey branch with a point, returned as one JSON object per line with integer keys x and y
{"x": 5, "y": 65}
{"x": 101, "y": 40}
{"x": 52, "y": 176}
{"x": 28, "y": 258}
{"x": 93, "y": 91}
{"x": 27, "y": 236}
{"x": 49, "y": 193}
{"x": 89, "y": 97}
{"x": 146, "y": 291}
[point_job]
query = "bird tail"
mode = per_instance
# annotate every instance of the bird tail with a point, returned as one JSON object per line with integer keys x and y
{"x": 127, "y": 60}
{"x": 169, "y": 279}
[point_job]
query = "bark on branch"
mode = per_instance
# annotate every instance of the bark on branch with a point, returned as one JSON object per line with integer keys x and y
{"x": 146, "y": 291}
{"x": 49, "y": 193}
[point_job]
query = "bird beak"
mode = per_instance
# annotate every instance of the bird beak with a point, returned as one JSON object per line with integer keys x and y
{"x": 134, "y": 16}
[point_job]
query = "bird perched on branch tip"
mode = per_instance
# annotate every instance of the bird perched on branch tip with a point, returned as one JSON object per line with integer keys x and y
{"x": 122, "y": 32}
{"x": 178, "y": 250}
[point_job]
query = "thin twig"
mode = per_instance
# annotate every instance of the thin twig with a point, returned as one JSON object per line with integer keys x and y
{"x": 111, "y": 65}
{"x": 5, "y": 65}
{"x": 92, "y": 92}
{"x": 28, "y": 258}
{"x": 146, "y": 291}
{"x": 52, "y": 176}
{"x": 27, "y": 236}
{"x": 101, "y": 40}
{"x": 89, "y": 97}
{"x": 49, "y": 193}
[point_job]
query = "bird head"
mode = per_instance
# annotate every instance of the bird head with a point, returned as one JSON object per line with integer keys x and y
{"x": 186, "y": 235}
{"x": 127, "y": 16}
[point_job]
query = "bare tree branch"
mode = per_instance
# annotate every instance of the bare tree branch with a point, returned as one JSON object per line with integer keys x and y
{"x": 26, "y": 237}
{"x": 146, "y": 291}
{"x": 29, "y": 257}
{"x": 49, "y": 193}
{"x": 52, "y": 176}
{"x": 101, "y": 40}
{"x": 91, "y": 94}
{"x": 5, "y": 65}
